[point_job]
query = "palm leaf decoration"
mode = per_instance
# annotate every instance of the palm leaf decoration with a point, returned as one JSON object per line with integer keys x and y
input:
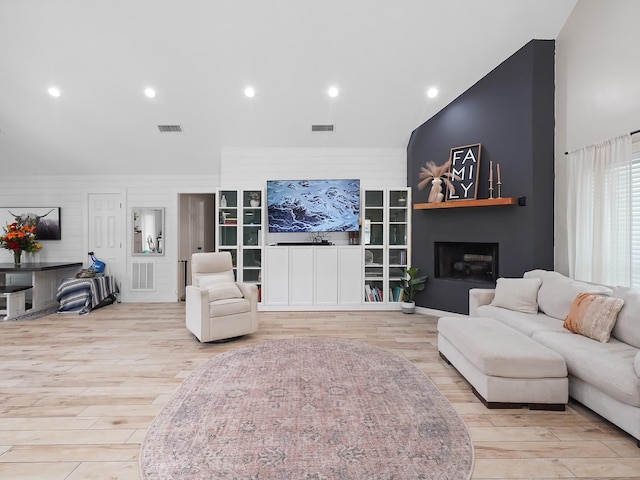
{"x": 431, "y": 172}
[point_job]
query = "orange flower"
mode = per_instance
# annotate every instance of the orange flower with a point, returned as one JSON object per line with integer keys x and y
{"x": 19, "y": 237}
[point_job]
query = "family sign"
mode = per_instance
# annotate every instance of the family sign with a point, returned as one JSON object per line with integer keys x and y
{"x": 465, "y": 165}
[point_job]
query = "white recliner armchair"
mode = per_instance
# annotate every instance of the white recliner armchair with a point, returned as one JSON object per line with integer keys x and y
{"x": 218, "y": 307}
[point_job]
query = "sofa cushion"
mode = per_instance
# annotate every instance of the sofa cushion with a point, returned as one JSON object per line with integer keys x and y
{"x": 607, "y": 366}
{"x": 499, "y": 351}
{"x": 230, "y": 306}
{"x": 518, "y": 294}
{"x": 557, "y": 292}
{"x": 627, "y": 327}
{"x": 526, "y": 323}
{"x": 593, "y": 316}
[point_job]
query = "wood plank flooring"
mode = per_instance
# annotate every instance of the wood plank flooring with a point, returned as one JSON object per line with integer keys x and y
{"x": 78, "y": 392}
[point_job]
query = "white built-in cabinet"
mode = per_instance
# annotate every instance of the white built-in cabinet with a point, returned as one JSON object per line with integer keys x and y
{"x": 319, "y": 276}
{"x": 385, "y": 241}
{"x": 313, "y": 276}
{"x": 239, "y": 230}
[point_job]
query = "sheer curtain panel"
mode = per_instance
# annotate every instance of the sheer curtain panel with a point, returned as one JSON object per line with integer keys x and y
{"x": 599, "y": 212}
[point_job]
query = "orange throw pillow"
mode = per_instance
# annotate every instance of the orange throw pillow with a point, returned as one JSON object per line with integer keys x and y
{"x": 593, "y": 316}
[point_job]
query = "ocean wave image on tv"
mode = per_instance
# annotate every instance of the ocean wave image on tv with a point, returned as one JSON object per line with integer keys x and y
{"x": 313, "y": 205}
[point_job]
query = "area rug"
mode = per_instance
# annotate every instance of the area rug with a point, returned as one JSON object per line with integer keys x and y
{"x": 307, "y": 409}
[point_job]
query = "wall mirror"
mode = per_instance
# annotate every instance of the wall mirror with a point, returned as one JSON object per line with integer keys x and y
{"x": 148, "y": 231}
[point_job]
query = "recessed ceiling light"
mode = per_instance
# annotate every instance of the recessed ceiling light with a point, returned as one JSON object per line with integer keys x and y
{"x": 333, "y": 92}
{"x": 54, "y": 91}
{"x": 432, "y": 92}
{"x": 250, "y": 92}
{"x": 150, "y": 92}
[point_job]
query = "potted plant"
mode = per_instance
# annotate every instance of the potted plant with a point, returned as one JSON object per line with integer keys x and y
{"x": 411, "y": 284}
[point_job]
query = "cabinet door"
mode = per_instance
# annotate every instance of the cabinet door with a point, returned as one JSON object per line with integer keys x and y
{"x": 227, "y": 226}
{"x": 301, "y": 276}
{"x": 398, "y": 238}
{"x": 374, "y": 246}
{"x": 276, "y": 288}
{"x": 326, "y": 272}
{"x": 350, "y": 276}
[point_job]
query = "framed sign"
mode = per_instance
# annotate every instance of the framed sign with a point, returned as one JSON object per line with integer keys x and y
{"x": 465, "y": 165}
{"x": 45, "y": 219}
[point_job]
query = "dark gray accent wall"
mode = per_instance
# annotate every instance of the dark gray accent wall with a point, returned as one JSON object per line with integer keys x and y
{"x": 511, "y": 113}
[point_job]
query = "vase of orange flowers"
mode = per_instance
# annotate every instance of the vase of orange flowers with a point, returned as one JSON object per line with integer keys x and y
{"x": 19, "y": 237}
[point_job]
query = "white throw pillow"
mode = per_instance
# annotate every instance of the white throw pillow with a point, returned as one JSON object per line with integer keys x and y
{"x": 557, "y": 292}
{"x": 518, "y": 294}
{"x": 220, "y": 288}
{"x": 204, "y": 279}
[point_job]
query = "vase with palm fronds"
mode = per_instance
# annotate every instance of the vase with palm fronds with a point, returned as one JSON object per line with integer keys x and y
{"x": 437, "y": 175}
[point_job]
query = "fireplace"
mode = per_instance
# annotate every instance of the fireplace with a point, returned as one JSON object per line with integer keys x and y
{"x": 467, "y": 261}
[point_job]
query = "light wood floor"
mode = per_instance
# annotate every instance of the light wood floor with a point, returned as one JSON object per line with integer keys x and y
{"x": 78, "y": 392}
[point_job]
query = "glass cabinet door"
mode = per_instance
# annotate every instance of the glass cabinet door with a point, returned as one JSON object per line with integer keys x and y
{"x": 373, "y": 233}
{"x": 227, "y": 232}
{"x": 252, "y": 239}
{"x": 397, "y": 241}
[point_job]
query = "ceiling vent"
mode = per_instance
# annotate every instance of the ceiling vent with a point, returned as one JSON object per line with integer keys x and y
{"x": 170, "y": 128}
{"x": 322, "y": 128}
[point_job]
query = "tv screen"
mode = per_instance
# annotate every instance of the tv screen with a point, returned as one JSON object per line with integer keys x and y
{"x": 313, "y": 205}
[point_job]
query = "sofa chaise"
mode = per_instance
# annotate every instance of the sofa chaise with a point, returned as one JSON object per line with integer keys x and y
{"x": 602, "y": 359}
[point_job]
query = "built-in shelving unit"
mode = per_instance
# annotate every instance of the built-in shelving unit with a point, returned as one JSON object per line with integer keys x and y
{"x": 239, "y": 223}
{"x": 387, "y": 230}
{"x": 487, "y": 202}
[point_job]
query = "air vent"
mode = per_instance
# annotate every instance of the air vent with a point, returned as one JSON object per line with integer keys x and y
{"x": 142, "y": 276}
{"x": 170, "y": 128}
{"x": 322, "y": 128}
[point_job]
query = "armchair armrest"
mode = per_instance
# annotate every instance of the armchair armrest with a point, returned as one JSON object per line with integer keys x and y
{"x": 479, "y": 297}
{"x": 197, "y": 308}
{"x": 249, "y": 291}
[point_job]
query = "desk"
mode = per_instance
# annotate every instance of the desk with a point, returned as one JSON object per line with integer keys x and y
{"x": 44, "y": 277}
{"x": 84, "y": 294}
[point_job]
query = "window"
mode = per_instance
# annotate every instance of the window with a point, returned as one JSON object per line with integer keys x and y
{"x": 635, "y": 214}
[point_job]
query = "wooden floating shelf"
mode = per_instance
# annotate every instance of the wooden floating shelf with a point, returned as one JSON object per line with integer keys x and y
{"x": 487, "y": 202}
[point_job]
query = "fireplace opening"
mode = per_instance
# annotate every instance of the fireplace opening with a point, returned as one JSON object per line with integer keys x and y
{"x": 467, "y": 261}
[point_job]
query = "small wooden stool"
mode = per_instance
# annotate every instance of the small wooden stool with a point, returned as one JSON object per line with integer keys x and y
{"x": 16, "y": 301}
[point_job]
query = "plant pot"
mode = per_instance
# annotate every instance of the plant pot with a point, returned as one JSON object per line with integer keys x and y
{"x": 408, "y": 307}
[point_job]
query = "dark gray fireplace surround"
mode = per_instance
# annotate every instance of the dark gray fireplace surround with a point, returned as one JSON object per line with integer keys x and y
{"x": 511, "y": 113}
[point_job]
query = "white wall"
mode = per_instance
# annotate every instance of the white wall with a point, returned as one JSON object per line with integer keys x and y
{"x": 70, "y": 193}
{"x": 597, "y": 88}
{"x": 375, "y": 167}
{"x": 248, "y": 168}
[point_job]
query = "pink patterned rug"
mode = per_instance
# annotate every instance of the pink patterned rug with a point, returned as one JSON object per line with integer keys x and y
{"x": 307, "y": 409}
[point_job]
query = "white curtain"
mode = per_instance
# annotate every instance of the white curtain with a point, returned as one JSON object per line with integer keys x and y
{"x": 599, "y": 212}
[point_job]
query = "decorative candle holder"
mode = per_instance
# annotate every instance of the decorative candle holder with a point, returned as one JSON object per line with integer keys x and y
{"x": 490, "y": 188}
{"x": 499, "y": 189}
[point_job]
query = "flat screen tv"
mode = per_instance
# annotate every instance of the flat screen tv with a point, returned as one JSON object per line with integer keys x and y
{"x": 313, "y": 205}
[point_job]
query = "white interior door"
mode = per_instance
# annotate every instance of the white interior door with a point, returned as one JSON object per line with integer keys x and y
{"x": 107, "y": 233}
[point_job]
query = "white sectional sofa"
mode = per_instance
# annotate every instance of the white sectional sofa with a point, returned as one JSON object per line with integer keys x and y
{"x": 604, "y": 373}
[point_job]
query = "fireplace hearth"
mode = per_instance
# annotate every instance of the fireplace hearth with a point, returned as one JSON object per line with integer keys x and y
{"x": 467, "y": 261}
